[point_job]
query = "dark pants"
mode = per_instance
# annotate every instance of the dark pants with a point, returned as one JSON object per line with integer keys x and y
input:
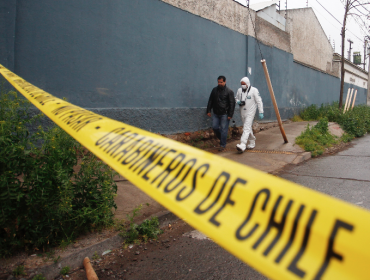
{"x": 220, "y": 125}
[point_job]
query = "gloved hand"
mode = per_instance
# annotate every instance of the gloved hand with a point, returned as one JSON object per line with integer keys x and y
{"x": 238, "y": 102}
{"x": 261, "y": 116}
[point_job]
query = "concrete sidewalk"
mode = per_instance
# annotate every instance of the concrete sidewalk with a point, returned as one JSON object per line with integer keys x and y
{"x": 270, "y": 155}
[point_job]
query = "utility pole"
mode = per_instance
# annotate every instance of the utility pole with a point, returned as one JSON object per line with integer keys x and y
{"x": 368, "y": 70}
{"x": 350, "y": 49}
{"x": 365, "y": 48}
{"x": 279, "y": 5}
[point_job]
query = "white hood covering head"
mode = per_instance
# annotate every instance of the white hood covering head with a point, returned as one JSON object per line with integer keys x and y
{"x": 246, "y": 80}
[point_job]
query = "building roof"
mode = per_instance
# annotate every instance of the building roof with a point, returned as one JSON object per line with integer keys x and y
{"x": 338, "y": 57}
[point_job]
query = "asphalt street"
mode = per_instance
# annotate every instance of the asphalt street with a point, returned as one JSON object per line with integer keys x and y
{"x": 182, "y": 253}
{"x": 345, "y": 175}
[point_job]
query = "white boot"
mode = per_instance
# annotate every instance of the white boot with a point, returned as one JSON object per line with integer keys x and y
{"x": 252, "y": 144}
{"x": 241, "y": 147}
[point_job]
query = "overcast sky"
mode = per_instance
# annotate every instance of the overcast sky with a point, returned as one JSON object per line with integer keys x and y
{"x": 330, "y": 25}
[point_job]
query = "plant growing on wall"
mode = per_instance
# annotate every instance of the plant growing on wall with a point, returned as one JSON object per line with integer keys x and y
{"x": 359, "y": 10}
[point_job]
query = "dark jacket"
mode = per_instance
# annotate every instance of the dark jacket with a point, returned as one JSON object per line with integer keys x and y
{"x": 222, "y": 102}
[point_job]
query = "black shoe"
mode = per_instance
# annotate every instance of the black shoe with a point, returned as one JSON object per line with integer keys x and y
{"x": 221, "y": 149}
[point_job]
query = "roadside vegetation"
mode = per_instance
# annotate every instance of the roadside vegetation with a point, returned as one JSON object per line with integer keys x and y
{"x": 45, "y": 201}
{"x": 138, "y": 233}
{"x": 355, "y": 123}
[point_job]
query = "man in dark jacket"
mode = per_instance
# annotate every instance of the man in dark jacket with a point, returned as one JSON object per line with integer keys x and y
{"x": 222, "y": 102}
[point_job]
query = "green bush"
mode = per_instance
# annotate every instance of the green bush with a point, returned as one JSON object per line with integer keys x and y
{"x": 44, "y": 202}
{"x": 355, "y": 122}
{"x": 317, "y": 138}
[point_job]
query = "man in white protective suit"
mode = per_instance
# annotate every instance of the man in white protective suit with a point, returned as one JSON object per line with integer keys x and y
{"x": 248, "y": 98}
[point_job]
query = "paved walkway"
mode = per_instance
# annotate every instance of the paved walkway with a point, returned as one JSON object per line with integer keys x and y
{"x": 270, "y": 155}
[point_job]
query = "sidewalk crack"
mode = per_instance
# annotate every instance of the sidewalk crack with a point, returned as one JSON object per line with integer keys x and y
{"x": 328, "y": 177}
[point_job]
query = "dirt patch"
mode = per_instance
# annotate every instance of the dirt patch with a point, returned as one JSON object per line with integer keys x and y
{"x": 206, "y": 139}
{"x": 121, "y": 263}
{"x": 33, "y": 261}
{"x": 337, "y": 148}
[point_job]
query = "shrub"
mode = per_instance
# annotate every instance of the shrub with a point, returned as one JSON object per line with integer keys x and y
{"x": 43, "y": 201}
{"x": 317, "y": 138}
{"x": 355, "y": 122}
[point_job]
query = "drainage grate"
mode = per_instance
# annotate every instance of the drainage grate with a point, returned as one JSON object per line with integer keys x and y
{"x": 215, "y": 151}
{"x": 270, "y": 152}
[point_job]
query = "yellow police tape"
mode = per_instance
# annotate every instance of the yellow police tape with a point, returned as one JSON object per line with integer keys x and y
{"x": 281, "y": 229}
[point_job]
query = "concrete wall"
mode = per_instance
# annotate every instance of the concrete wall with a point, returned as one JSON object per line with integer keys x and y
{"x": 309, "y": 43}
{"x": 126, "y": 53}
{"x": 227, "y": 13}
{"x": 151, "y": 64}
{"x": 271, "y": 35}
{"x": 147, "y": 56}
{"x": 7, "y": 28}
{"x": 361, "y": 97}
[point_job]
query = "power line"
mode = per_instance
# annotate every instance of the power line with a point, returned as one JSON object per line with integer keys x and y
{"x": 329, "y": 12}
{"x": 337, "y": 20}
{"x": 361, "y": 26}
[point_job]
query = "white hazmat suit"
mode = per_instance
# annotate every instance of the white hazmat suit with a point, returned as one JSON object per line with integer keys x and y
{"x": 252, "y": 100}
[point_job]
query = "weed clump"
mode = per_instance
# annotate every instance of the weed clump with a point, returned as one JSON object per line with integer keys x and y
{"x": 317, "y": 138}
{"x": 148, "y": 229}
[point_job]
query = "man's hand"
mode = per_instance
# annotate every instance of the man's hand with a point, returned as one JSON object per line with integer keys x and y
{"x": 209, "y": 114}
{"x": 229, "y": 118}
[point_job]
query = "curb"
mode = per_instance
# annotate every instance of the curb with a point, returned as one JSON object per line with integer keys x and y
{"x": 75, "y": 260}
{"x": 302, "y": 157}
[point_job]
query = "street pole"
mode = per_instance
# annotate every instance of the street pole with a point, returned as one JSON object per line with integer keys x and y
{"x": 368, "y": 79}
{"x": 350, "y": 49}
{"x": 365, "y": 47}
{"x": 269, "y": 85}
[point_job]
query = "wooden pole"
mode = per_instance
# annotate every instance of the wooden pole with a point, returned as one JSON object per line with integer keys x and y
{"x": 345, "y": 105}
{"x": 349, "y": 101}
{"x": 354, "y": 99}
{"x": 273, "y": 99}
{"x": 90, "y": 272}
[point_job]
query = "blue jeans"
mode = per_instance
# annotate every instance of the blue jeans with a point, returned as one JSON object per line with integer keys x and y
{"x": 220, "y": 125}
